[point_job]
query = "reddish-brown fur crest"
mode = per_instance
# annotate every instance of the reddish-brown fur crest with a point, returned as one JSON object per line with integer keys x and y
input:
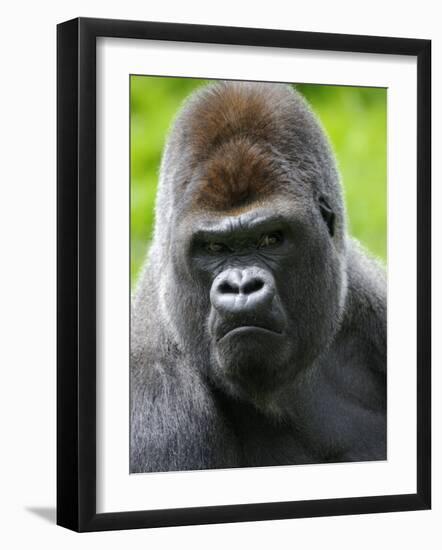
{"x": 231, "y": 137}
{"x": 239, "y": 172}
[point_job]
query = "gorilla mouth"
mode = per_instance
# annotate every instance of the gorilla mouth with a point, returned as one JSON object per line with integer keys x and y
{"x": 248, "y": 329}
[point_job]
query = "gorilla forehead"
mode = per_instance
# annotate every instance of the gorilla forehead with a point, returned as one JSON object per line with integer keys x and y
{"x": 239, "y": 173}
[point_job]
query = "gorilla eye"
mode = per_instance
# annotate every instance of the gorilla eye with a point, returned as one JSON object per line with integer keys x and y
{"x": 270, "y": 239}
{"x": 215, "y": 248}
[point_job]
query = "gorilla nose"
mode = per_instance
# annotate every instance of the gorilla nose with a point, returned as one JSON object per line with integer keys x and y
{"x": 242, "y": 290}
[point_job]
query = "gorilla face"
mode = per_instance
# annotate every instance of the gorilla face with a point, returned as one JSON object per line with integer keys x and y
{"x": 267, "y": 280}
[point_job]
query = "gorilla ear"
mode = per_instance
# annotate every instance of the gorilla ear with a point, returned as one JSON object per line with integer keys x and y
{"x": 328, "y": 215}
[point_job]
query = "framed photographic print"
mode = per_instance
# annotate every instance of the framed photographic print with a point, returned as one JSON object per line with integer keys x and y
{"x": 243, "y": 274}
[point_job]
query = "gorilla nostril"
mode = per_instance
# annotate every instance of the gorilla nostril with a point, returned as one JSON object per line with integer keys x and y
{"x": 252, "y": 286}
{"x": 246, "y": 291}
{"x": 227, "y": 288}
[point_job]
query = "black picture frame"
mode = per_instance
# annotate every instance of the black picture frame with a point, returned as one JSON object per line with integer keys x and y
{"x": 76, "y": 273}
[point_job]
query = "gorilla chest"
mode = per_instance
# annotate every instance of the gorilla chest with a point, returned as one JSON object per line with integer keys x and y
{"x": 326, "y": 426}
{"x": 262, "y": 441}
{"x": 270, "y": 446}
{"x": 315, "y": 441}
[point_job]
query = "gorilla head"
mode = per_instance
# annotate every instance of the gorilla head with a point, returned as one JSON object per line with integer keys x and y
{"x": 248, "y": 257}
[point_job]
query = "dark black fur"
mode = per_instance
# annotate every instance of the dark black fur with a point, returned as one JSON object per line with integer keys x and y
{"x": 309, "y": 386}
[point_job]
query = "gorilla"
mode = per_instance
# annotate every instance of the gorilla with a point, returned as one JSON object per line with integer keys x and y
{"x": 258, "y": 326}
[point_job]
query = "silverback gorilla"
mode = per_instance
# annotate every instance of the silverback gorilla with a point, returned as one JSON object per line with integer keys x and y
{"x": 258, "y": 329}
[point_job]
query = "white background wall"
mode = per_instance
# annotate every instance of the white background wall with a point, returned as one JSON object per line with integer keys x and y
{"x": 27, "y": 274}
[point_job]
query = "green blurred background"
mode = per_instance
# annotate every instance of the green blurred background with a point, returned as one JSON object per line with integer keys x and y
{"x": 354, "y": 118}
